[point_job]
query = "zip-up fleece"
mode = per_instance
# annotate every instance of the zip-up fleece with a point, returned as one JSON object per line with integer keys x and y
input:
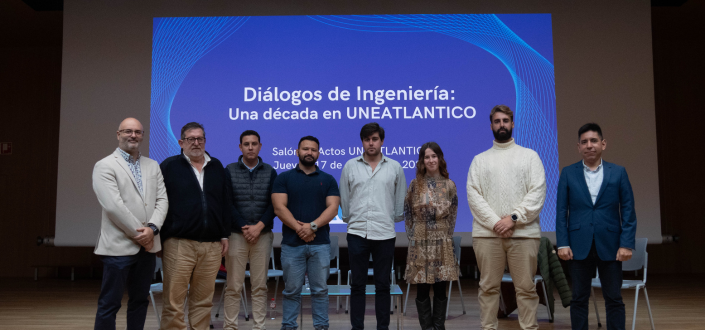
{"x": 199, "y": 215}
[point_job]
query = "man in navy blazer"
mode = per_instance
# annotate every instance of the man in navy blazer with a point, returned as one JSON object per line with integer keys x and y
{"x": 595, "y": 226}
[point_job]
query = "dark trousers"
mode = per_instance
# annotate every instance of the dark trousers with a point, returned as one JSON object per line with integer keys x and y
{"x": 423, "y": 290}
{"x": 611, "y": 278}
{"x": 134, "y": 272}
{"x": 359, "y": 250}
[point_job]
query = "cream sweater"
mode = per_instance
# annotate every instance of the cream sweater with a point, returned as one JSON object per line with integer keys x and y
{"x": 506, "y": 179}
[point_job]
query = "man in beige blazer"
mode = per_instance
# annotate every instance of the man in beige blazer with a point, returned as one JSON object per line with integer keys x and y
{"x": 130, "y": 189}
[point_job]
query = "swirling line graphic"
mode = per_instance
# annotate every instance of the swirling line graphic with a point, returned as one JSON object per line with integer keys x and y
{"x": 533, "y": 75}
{"x": 177, "y": 44}
{"x": 180, "y": 42}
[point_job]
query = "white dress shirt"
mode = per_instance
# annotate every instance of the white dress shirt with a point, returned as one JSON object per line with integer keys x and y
{"x": 199, "y": 174}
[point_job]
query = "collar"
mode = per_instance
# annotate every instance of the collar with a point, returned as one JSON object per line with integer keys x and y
{"x": 361, "y": 158}
{"x": 128, "y": 157}
{"x": 599, "y": 167}
{"x": 503, "y": 146}
{"x": 205, "y": 155}
{"x": 259, "y": 161}
{"x": 318, "y": 170}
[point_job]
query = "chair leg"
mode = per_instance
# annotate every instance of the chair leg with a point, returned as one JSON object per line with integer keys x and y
{"x": 545, "y": 297}
{"x": 636, "y": 301}
{"x": 648, "y": 305}
{"x": 450, "y": 286}
{"x": 347, "y": 299}
{"x": 243, "y": 295}
{"x": 502, "y": 306}
{"x": 156, "y": 313}
{"x": 220, "y": 304}
{"x": 462, "y": 301}
{"x": 276, "y": 288}
{"x": 594, "y": 302}
{"x": 406, "y": 301}
{"x": 392, "y": 307}
{"x": 337, "y": 304}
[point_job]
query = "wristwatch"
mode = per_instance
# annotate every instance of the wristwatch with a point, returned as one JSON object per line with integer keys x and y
{"x": 154, "y": 228}
{"x": 314, "y": 226}
{"x": 515, "y": 218}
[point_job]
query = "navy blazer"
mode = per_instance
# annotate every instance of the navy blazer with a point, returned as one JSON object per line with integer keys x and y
{"x": 611, "y": 220}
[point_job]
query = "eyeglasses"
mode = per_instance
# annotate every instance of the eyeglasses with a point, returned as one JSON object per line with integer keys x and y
{"x": 129, "y": 132}
{"x": 191, "y": 140}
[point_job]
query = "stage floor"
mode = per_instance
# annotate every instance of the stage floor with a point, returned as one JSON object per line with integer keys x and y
{"x": 676, "y": 301}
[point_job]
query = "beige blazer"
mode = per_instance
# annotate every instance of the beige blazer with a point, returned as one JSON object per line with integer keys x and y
{"x": 124, "y": 208}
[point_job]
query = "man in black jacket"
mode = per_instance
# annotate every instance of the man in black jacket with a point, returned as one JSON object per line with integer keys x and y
{"x": 195, "y": 232}
{"x": 251, "y": 182}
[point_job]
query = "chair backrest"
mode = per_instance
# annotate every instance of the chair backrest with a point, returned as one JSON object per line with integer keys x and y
{"x": 158, "y": 265}
{"x": 334, "y": 249}
{"x": 638, "y": 260}
{"x": 271, "y": 257}
{"x": 392, "y": 259}
{"x": 456, "y": 247}
{"x": 158, "y": 268}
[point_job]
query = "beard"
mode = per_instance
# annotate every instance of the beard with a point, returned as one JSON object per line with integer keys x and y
{"x": 194, "y": 153}
{"x": 502, "y": 134}
{"x": 129, "y": 145}
{"x": 307, "y": 162}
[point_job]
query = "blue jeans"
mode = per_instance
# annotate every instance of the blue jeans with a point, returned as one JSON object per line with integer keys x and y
{"x": 296, "y": 262}
{"x": 134, "y": 272}
{"x": 611, "y": 279}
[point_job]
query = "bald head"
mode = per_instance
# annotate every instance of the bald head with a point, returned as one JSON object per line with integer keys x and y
{"x": 129, "y": 136}
{"x": 132, "y": 122}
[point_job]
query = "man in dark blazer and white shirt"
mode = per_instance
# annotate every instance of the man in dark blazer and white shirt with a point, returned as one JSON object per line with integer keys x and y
{"x": 130, "y": 189}
{"x": 595, "y": 227}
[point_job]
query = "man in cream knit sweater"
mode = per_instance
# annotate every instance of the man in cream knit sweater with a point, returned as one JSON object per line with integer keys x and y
{"x": 506, "y": 190}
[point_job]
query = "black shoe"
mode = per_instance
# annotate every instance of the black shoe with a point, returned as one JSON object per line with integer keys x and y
{"x": 439, "y": 313}
{"x": 425, "y": 316}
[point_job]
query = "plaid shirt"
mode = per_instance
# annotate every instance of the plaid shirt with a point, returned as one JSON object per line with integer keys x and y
{"x": 134, "y": 167}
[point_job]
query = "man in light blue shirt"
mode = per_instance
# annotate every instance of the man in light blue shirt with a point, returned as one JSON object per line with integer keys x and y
{"x": 593, "y": 178}
{"x": 595, "y": 227}
{"x": 372, "y": 190}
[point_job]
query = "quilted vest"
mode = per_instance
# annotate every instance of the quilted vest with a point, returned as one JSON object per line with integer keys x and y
{"x": 251, "y": 194}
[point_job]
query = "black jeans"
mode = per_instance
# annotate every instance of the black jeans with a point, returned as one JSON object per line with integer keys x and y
{"x": 424, "y": 289}
{"x": 611, "y": 279}
{"x": 359, "y": 250}
{"x": 136, "y": 273}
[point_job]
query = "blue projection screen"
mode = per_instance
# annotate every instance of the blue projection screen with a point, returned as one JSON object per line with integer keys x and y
{"x": 421, "y": 77}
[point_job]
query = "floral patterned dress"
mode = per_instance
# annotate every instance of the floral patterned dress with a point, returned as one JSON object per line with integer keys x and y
{"x": 429, "y": 213}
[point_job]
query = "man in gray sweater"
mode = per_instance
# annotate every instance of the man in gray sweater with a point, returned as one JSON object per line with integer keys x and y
{"x": 251, "y": 182}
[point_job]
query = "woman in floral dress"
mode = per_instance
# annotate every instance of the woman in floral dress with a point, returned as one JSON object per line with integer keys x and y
{"x": 430, "y": 210}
